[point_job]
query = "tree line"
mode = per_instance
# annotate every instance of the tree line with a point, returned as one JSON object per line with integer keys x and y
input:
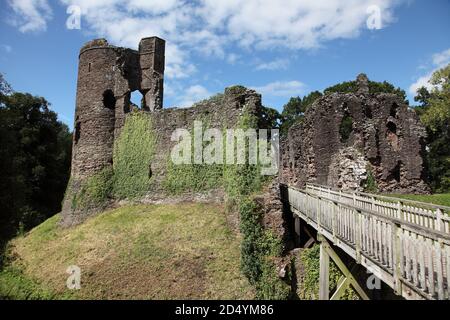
{"x": 35, "y": 157}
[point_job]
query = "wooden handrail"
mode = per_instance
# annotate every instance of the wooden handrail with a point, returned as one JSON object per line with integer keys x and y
{"x": 406, "y": 246}
{"x": 429, "y": 232}
{"x": 389, "y": 198}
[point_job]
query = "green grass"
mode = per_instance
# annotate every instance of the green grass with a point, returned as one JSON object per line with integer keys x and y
{"x": 183, "y": 251}
{"x": 442, "y": 199}
{"x": 308, "y": 276}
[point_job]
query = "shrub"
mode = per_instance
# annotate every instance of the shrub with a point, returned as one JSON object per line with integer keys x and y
{"x": 371, "y": 183}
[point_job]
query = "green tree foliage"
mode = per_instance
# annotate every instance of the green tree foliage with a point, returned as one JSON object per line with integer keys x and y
{"x": 35, "y": 158}
{"x": 296, "y": 107}
{"x": 345, "y": 128}
{"x": 434, "y": 112}
{"x": 374, "y": 88}
{"x": 271, "y": 118}
{"x": 5, "y": 87}
{"x": 294, "y": 110}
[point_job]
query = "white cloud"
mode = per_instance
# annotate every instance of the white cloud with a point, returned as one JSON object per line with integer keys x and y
{"x": 191, "y": 95}
{"x": 282, "y": 88}
{"x": 7, "y": 48}
{"x": 232, "y": 58}
{"x": 439, "y": 60}
{"x": 290, "y": 23}
{"x": 421, "y": 82}
{"x": 30, "y": 15}
{"x": 277, "y": 64}
{"x": 211, "y": 27}
{"x": 214, "y": 27}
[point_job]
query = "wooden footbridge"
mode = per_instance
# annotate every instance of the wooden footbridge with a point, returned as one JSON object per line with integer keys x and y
{"x": 406, "y": 244}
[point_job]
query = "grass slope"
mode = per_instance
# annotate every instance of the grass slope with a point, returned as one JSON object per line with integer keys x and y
{"x": 134, "y": 252}
{"x": 442, "y": 199}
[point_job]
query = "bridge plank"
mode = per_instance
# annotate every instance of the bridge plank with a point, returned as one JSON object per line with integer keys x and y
{"x": 422, "y": 262}
{"x": 439, "y": 271}
{"x": 448, "y": 271}
{"x": 431, "y": 268}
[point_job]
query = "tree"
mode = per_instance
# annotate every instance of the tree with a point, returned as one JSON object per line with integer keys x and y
{"x": 296, "y": 107}
{"x": 294, "y": 110}
{"x": 34, "y": 162}
{"x": 5, "y": 87}
{"x": 271, "y": 118}
{"x": 434, "y": 112}
{"x": 374, "y": 88}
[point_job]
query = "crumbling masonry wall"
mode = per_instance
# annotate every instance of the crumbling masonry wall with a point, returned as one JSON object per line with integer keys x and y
{"x": 106, "y": 77}
{"x": 384, "y": 139}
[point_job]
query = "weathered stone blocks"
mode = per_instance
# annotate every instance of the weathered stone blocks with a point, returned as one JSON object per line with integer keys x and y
{"x": 385, "y": 138}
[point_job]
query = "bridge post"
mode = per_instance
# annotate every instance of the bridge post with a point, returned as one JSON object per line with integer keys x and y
{"x": 347, "y": 279}
{"x": 324, "y": 273}
{"x": 397, "y": 253}
{"x": 357, "y": 236}
{"x": 297, "y": 226}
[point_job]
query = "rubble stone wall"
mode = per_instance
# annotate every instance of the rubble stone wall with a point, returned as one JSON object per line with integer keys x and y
{"x": 386, "y": 140}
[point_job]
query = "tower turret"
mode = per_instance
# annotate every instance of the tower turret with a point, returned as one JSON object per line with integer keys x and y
{"x": 107, "y": 75}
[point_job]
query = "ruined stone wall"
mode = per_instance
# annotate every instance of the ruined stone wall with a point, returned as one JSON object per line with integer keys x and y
{"x": 386, "y": 141}
{"x": 106, "y": 77}
{"x": 221, "y": 112}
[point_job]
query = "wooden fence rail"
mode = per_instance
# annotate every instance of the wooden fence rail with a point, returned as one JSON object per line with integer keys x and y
{"x": 404, "y": 243}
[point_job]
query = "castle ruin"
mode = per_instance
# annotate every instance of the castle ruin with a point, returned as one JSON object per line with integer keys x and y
{"x": 386, "y": 139}
{"x": 107, "y": 75}
{"x": 348, "y": 139}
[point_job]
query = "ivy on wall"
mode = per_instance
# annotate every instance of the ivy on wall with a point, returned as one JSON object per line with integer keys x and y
{"x": 133, "y": 154}
{"x": 95, "y": 191}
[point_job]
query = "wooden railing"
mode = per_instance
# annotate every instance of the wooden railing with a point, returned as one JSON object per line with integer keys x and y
{"x": 404, "y": 243}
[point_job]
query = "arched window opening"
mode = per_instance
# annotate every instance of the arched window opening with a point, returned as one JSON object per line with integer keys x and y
{"x": 346, "y": 127}
{"x": 392, "y": 127}
{"x": 109, "y": 101}
{"x": 394, "y": 108}
{"x": 137, "y": 99}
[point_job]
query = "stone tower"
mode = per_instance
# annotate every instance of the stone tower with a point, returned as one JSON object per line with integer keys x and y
{"x": 107, "y": 75}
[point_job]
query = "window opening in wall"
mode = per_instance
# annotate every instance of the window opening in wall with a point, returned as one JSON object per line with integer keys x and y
{"x": 77, "y": 132}
{"x": 137, "y": 99}
{"x": 394, "y": 108}
{"x": 368, "y": 112}
{"x": 396, "y": 172}
{"x": 346, "y": 127}
{"x": 392, "y": 127}
{"x": 109, "y": 101}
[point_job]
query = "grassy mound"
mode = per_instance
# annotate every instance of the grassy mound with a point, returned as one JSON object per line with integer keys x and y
{"x": 134, "y": 252}
{"x": 442, "y": 199}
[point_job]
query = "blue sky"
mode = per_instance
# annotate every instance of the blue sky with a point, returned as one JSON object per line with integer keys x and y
{"x": 280, "y": 48}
